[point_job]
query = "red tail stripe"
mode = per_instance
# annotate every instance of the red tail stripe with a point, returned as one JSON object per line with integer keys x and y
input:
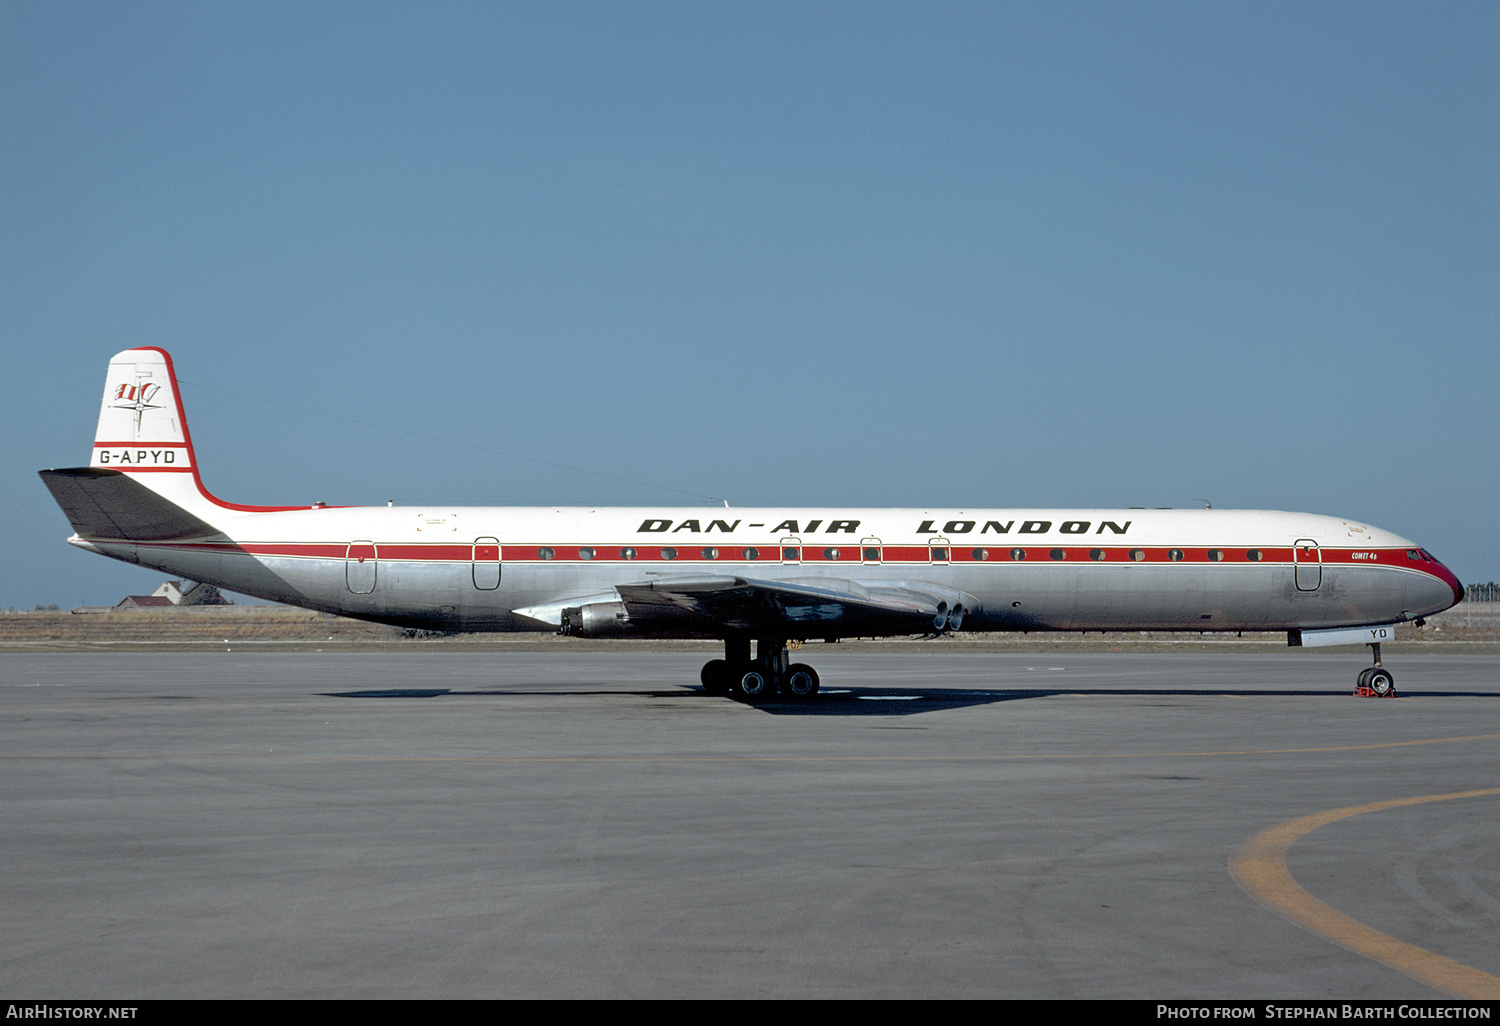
{"x": 141, "y": 445}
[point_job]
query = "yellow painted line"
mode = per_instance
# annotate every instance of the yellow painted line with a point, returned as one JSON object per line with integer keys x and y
{"x": 1259, "y": 867}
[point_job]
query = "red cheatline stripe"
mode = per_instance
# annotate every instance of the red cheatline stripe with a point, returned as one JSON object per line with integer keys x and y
{"x": 528, "y": 553}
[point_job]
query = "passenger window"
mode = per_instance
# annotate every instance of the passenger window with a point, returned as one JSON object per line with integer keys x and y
{"x": 751, "y": 553}
{"x": 627, "y": 553}
{"x": 1096, "y": 554}
{"x": 1253, "y": 555}
{"x": 1018, "y": 554}
{"x": 1137, "y": 554}
{"x": 830, "y": 553}
{"x": 669, "y": 553}
{"x": 1175, "y": 555}
{"x": 545, "y": 553}
{"x": 1216, "y": 555}
{"x": 710, "y": 553}
{"x": 980, "y": 555}
{"x": 1057, "y": 554}
{"x": 585, "y": 553}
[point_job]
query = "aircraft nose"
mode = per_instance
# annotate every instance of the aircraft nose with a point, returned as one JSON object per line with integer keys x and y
{"x": 1445, "y": 588}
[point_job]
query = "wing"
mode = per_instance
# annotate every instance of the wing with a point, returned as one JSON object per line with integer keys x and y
{"x": 807, "y": 607}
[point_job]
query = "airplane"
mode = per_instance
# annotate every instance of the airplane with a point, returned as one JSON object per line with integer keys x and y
{"x": 771, "y": 576}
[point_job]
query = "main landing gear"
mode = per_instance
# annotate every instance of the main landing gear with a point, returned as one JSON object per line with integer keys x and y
{"x": 761, "y": 678}
{"x": 1375, "y": 681}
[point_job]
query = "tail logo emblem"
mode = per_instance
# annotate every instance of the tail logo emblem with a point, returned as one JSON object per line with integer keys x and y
{"x": 137, "y": 398}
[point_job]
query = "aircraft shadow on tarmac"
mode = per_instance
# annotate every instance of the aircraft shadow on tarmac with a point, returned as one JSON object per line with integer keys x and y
{"x": 833, "y": 702}
{"x": 891, "y": 701}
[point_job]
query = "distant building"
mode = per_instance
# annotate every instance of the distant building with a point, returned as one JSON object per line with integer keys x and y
{"x": 191, "y": 593}
{"x": 144, "y": 602}
{"x": 176, "y": 593}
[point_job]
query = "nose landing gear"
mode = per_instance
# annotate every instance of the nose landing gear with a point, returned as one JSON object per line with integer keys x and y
{"x": 1375, "y": 681}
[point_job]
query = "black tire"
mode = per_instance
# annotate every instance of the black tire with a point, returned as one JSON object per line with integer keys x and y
{"x": 1364, "y": 677}
{"x": 801, "y": 681}
{"x": 715, "y": 677}
{"x": 1382, "y": 682}
{"x": 753, "y": 685}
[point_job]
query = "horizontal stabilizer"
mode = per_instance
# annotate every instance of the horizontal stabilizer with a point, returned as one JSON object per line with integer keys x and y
{"x": 106, "y": 505}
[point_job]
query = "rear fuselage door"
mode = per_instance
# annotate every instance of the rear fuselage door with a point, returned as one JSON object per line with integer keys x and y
{"x": 486, "y": 563}
{"x": 1307, "y": 564}
{"x": 359, "y": 567}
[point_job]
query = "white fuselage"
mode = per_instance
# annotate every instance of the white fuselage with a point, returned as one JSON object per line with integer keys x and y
{"x": 471, "y": 568}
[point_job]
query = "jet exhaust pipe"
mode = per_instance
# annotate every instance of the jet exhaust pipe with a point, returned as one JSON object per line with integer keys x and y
{"x": 956, "y": 618}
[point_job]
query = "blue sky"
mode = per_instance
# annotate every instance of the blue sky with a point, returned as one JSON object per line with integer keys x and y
{"x": 866, "y": 254}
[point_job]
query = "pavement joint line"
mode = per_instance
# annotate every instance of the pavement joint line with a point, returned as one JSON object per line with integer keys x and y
{"x": 1259, "y": 868}
{"x": 746, "y": 758}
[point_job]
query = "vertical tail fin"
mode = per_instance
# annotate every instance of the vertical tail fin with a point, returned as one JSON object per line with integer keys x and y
{"x": 141, "y": 424}
{"x": 143, "y": 432}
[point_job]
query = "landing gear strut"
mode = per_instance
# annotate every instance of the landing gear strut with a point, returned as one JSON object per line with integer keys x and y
{"x": 1375, "y": 681}
{"x": 758, "y": 679}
